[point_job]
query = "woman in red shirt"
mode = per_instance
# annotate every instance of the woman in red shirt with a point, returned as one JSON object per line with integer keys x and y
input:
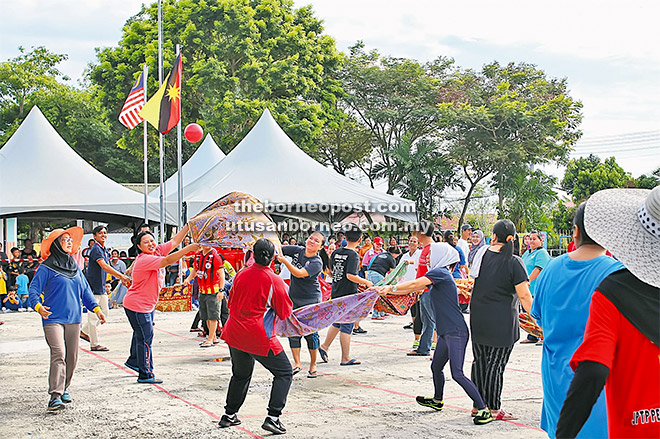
{"x": 142, "y": 296}
{"x": 256, "y": 297}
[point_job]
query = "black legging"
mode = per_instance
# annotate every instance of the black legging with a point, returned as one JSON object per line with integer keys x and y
{"x": 417, "y": 321}
{"x": 224, "y": 315}
{"x": 451, "y": 347}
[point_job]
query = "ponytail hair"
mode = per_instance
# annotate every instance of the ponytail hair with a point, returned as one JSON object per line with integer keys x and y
{"x": 264, "y": 251}
{"x": 505, "y": 231}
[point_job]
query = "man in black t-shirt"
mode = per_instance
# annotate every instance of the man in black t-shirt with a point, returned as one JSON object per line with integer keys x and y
{"x": 345, "y": 280}
{"x": 385, "y": 262}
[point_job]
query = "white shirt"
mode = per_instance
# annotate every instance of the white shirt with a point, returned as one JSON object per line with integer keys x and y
{"x": 465, "y": 247}
{"x": 284, "y": 272}
{"x": 411, "y": 270}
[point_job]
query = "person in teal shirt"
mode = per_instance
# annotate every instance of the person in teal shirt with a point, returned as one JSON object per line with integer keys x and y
{"x": 536, "y": 259}
{"x": 561, "y": 308}
{"x": 22, "y": 283}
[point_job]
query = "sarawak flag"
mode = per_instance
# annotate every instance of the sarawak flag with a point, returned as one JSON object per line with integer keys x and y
{"x": 163, "y": 110}
{"x": 128, "y": 115}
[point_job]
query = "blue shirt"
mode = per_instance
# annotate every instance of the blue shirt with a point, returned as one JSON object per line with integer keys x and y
{"x": 457, "y": 270}
{"x": 95, "y": 274}
{"x": 533, "y": 259}
{"x": 22, "y": 282}
{"x": 561, "y": 308}
{"x": 64, "y": 296}
{"x": 304, "y": 290}
{"x": 444, "y": 299}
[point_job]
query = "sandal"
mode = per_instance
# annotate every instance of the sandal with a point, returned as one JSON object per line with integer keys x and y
{"x": 296, "y": 370}
{"x": 206, "y": 344}
{"x": 311, "y": 374}
{"x": 324, "y": 355}
{"x": 99, "y": 348}
{"x": 504, "y": 416}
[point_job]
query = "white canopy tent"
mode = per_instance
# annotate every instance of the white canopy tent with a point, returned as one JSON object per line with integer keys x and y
{"x": 43, "y": 177}
{"x": 269, "y": 165}
{"x": 207, "y": 155}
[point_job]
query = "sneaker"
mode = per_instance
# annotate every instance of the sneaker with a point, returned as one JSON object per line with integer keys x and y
{"x": 55, "y": 404}
{"x": 482, "y": 417}
{"x": 152, "y": 380}
{"x": 229, "y": 421}
{"x": 274, "y": 427}
{"x": 415, "y": 344}
{"x": 433, "y": 346}
{"x": 359, "y": 330}
{"x": 66, "y": 398}
{"x": 430, "y": 402}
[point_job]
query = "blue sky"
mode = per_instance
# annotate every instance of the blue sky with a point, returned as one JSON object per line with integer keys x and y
{"x": 607, "y": 49}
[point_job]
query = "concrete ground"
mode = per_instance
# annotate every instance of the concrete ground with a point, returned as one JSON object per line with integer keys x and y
{"x": 373, "y": 400}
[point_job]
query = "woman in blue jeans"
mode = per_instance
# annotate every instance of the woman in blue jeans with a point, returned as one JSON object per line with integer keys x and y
{"x": 450, "y": 325}
{"x": 142, "y": 296}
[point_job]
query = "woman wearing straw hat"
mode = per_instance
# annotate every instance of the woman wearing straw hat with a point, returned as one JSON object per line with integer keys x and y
{"x": 620, "y": 348}
{"x": 57, "y": 293}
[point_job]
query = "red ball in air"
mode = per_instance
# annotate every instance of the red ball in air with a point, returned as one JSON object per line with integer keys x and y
{"x": 193, "y": 133}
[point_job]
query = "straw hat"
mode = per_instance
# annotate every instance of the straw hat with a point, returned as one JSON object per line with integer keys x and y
{"x": 75, "y": 232}
{"x": 627, "y": 223}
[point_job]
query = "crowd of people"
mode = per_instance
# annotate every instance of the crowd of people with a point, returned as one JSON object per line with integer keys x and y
{"x": 599, "y": 312}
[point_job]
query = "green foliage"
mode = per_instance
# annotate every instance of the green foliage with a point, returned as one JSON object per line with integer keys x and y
{"x": 528, "y": 196}
{"x": 25, "y": 75}
{"x": 562, "y": 218}
{"x": 344, "y": 143}
{"x": 648, "y": 181}
{"x": 505, "y": 117}
{"x": 587, "y": 175}
{"x": 239, "y": 57}
{"x": 426, "y": 174}
{"x": 394, "y": 98}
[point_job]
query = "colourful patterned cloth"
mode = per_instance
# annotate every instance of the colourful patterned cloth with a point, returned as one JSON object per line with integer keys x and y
{"x": 312, "y": 318}
{"x": 175, "y": 298}
{"x": 529, "y": 325}
{"x": 392, "y": 303}
{"x": 234, "y": 221}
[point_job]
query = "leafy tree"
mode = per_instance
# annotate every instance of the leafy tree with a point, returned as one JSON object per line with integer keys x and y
{"x": 528, "y": 196}
{"x": 344, "y": 143}
{"x": 393, "y": 98}
{"x": 506, "y": 117}
{"x": 562, "y": 217}
{"x": 585, "y": 176}
{"x": 426, "y": 174}
{"x": 239, "y": 57}
{"x": 25, "y": 75}
{"x": 648, "y": 181}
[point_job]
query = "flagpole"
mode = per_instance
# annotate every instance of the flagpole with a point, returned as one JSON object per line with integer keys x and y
{"x": 178, "y": 156}
{"x": 145, "y": 72}
{"x": 160, "y": 135}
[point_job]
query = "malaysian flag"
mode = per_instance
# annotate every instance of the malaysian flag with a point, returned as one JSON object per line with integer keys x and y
{"x": 128, "y": 116}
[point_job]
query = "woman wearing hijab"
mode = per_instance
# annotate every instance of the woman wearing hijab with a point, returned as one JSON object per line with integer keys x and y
{"x": 500, "y": 285}
{"x": 57, "y": 293}
{"x": 450, "y": 325}
{"x": 477, "y": 240}
{"x": 142, "y": 296}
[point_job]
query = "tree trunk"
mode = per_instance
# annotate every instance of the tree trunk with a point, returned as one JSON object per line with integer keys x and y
{"x": 466, "y": 203}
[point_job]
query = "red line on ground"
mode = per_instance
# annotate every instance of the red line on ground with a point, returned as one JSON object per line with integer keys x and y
{"x": 187, "y": 338}
{"x": 368, "y": 386}
{"x": 202, "y": 409}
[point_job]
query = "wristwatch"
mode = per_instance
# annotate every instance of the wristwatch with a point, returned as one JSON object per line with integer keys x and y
{"x": 394, "y": 288}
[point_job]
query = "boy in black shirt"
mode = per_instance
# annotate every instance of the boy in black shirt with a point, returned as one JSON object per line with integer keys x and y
{"x": 345, "y": 263}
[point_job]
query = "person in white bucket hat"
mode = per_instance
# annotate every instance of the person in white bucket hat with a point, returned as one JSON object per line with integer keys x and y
{"x": 620, "y": 349}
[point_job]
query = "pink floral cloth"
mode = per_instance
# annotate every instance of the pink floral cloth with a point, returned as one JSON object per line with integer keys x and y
{"x": 312, "y": 318}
